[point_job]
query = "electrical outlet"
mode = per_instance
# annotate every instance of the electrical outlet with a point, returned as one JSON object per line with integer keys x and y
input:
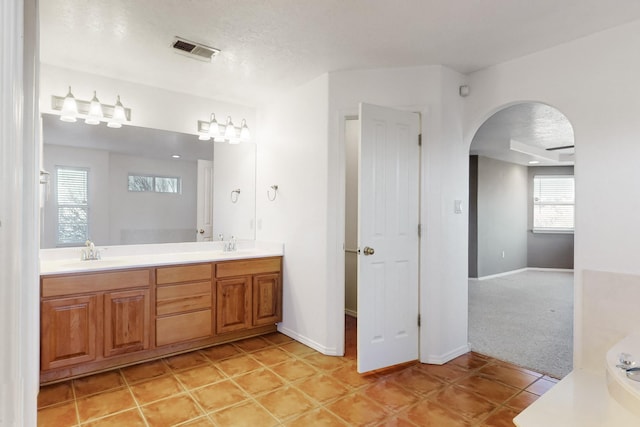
{"x": 502, "y": 254}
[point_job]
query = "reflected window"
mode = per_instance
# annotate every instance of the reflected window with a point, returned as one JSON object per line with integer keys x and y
{"x": 156, "y": 184}
{"x": 553, "y": 203}
{"x": 72, "y": 197}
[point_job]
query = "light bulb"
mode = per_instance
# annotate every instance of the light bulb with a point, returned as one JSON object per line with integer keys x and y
{"x": 214, "y": 128}
{"x": 95, "y": 111}
{"x": 69, "y": 108}
{"x": 230, "y": 130}
{"x": 245, "y": 135}
{"x": 119, "y": 115}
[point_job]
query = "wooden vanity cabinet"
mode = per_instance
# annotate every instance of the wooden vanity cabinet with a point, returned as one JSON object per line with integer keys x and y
{"x": 248, "y": 294}
{"x": 126, "y": 321}
{"x": 233, "y": 308}
{"x": 267, "y": 299}
{"x": 91, "y": 322}
{"x": 69, "y": 331}
{"x": 184, "y": 303}
{"x": 90, "y": 317}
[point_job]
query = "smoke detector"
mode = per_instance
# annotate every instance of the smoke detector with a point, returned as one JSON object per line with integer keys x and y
{"x": 194, "y": 50}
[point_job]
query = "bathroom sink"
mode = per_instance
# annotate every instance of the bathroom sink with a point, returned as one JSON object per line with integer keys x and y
{"x": 623, "y": 386}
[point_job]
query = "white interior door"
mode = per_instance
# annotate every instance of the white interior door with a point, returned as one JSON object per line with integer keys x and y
{"x": 388, "y": 210}
{"x": 204, "y": 204}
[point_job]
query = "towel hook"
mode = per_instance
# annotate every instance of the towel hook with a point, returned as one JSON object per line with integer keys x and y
{"x": 237, "y": 194}
{"x": 275, "y": 193}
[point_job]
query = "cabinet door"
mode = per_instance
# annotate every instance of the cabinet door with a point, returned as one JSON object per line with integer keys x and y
{"x": 232, "y": 304}
{"x": 267, "y": 299}
{"x": 68, "y": 333}
{"x": 126, "y": 321}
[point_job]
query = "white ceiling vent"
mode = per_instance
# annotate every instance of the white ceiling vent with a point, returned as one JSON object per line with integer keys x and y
{"x": 194, "y": 50}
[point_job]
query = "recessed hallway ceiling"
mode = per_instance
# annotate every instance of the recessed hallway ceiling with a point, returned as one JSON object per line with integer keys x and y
{"x": 534, "y": 127}
{"x": 268, "y": 46}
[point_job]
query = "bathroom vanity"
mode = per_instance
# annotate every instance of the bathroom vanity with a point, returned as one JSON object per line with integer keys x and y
{"x": 144, "y": 302}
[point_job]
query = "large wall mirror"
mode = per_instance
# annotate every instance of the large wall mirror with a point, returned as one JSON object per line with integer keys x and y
{"x": 124, "y": 186}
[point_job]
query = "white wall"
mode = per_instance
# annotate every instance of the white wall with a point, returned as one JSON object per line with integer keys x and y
{"x": 432, "y": 91}
{"x": 149, "y": 217}
{"x": 234, "y": 168}
{"x": 590, "y": 81}
{"x": 151, "y": 107}
{"x": 162, "y": 109}
{"x": 292, "y": 153}
{"x": 117, "y": 216}
{"x": 97, "y": 161}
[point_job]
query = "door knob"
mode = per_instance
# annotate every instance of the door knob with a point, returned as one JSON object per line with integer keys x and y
{"x": 368, "y": 251}
{"x": 201, "y": 231}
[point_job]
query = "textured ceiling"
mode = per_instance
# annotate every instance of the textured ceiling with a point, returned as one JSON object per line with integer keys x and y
{"x": 271, "y": 45}
{"x": 536, "y": 127}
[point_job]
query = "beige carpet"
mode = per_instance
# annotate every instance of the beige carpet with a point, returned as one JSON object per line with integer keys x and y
{"x": 524, "y": 318}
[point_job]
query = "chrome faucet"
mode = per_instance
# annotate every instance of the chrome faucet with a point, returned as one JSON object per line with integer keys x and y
{"x": 89, "y": 252}
{"x": 230, "y": 246}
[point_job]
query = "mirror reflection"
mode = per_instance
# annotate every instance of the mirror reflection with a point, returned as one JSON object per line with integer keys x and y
{"x": 136, "y": 185}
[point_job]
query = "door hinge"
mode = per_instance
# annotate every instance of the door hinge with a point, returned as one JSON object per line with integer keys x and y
{"x": 419, "y": 321}
{"x": 420, "y": 139}
{"x": 419, "y": 230}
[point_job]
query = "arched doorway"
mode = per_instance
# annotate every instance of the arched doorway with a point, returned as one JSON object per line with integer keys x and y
{"x": 521, "y": 214}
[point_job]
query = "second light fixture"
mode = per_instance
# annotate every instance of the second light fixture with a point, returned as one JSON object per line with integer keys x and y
{"x": 223, "y": 132}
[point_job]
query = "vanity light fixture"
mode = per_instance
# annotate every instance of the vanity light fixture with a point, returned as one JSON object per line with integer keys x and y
{"x": 229, "y": 131}
{"x": 245, "y": 135}
{"x": 93, "y": 111}
{"x": 223, "y": 132}
{"x": 119, "y": 115}
{"x": 69, "y": 108}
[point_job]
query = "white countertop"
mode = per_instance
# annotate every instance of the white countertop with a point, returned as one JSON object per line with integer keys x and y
{"x": 67, "y": 260}
{"x": 581, "y": 399}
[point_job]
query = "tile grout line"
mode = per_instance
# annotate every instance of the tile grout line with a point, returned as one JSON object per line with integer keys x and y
{"x": 138, "y": 407}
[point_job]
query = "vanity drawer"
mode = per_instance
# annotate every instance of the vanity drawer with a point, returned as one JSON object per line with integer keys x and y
{"x": 183, "y": 327}
{"x": 184, "y": 273}
{"x": 248, "y": 267}
{"x": 83, "y": 283}
{"x": 184, "y": 297}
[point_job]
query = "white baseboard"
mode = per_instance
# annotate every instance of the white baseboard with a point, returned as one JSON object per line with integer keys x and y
{"x": 506, "y": 273}
{"x": 562, "y": 270}
{"x": 329, "y": 351}
{"x": 521, "y": 270}
{"x": 351, "y": 313}
{"x": 441, "y": 359}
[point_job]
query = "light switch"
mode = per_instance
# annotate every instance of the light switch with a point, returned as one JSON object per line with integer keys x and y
{"x": 457, "y": 206}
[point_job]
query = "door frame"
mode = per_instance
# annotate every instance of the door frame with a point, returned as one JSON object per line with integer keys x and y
{"x": 339, "y": 300}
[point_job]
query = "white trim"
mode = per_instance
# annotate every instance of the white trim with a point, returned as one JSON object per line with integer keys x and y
{"x": 328, "y": 351}
{"x": 521, "y": 270}
{"x": 561, "y": 270}
{"x": 441, "y": 359}
{"x": 506, "y": 273}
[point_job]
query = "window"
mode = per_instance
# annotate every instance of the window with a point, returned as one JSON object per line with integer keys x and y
{"x": 553, "y": 203}
{"x": 157, "y": 184}
{"x": 73, "y": 205}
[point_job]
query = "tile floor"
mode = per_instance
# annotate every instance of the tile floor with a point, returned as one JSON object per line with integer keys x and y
{"x": 275, "y": 381}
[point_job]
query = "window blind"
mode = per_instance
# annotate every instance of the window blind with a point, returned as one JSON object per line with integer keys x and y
{"x": 553, "y": 203}
{"x": 72, "y": 196}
